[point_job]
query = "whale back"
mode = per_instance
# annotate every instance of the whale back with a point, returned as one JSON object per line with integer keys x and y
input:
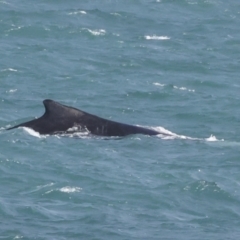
{"x": 59, "y": 118}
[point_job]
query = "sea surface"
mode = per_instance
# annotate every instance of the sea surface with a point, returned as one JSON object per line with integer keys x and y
{"x": 170, "y": 65}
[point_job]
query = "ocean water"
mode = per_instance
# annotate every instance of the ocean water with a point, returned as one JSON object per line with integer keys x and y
{"x": 171, "y": 65}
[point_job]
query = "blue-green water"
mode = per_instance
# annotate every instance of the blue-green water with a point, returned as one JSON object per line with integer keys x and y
{"x": 172, "y": 65}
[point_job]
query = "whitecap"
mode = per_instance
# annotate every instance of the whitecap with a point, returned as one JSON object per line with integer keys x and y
{"x": 212, "y": 138}
{"x": 154, "y": 37}
{"x": 77, "y": 12}
{"x": 14, "y": 29}
{"x": 70, "y": 189}
{"x": 184, "y": 89}
{"x": 159, "y": 84}
{"x": 12, "y": 90}
{"x": 18, "y": 237}
{"x": 12, "y": 70}
{"x": 44, "y": 186}
{"x": 99, "y": 32}
{"x": 115, "y": 14}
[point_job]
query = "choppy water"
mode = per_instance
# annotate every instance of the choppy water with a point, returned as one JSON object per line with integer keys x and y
{"x": 170, "y": 65}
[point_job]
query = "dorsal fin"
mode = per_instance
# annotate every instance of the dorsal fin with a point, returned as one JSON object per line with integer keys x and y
{"x": 50, "y": 106}
{"x": 56, "y": 109}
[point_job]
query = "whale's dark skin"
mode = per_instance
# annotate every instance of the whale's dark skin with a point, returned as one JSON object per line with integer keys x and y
{"x": 59, "y": 118}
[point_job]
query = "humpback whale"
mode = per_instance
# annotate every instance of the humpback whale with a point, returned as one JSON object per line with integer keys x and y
{"x": 59, "y": 119}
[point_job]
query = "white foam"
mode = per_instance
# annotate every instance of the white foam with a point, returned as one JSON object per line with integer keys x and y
{"x": 70, "y": 189}
{"x": 12, "y": 69}
{"x": 18, "y": 237}
{"x": 116, "y": 34}
{"x": 82, "y": 134}
{"x": 212, "y": 138}
{"x": 171, "y": 135}
{"x": 78, "y": 129}
{"x": 175, "y": 87}
{"x": 159, "y": 84}
{"x": 14, "y": 29}
{"x": 44, "y": 186}
{"x": 77, "y": 12}
{"x": 75, "y": 132}
{"x": 115, "y": 14}
{"x": 49, "y": 191}
{"x": 168, "y": 135}
{"x": 34, "y": 133}
{"x": 163, "y": 131}
{"x": 72, "y": 129}
{"x": 98, "y": 32}
{"x": 154, "y": 37}
{"x": 12, "y": 90}
{"x": 66, "y": 189}
{"x": 184, "y": 89}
